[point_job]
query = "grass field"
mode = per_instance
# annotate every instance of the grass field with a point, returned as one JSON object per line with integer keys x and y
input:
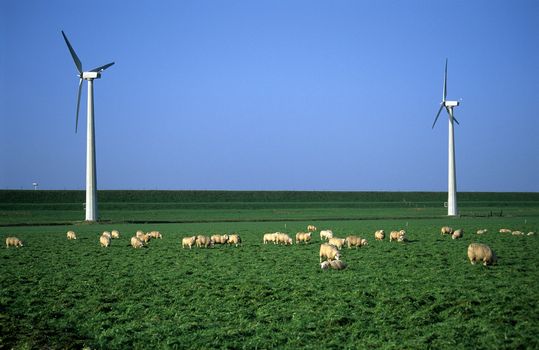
{"x": 423, "y": 294}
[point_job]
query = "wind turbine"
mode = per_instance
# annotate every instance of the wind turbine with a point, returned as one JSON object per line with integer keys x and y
{"x": 451, "y": 177}
{"x": 91, "y": 180}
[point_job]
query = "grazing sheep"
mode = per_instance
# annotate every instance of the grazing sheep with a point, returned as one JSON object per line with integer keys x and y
{"x": 270, "y": 237}
{"x": 104, "y": 241}
{"x": 481, "y": 252}
{"x": 156, "y": 234}
{"x": 517, "y": 233}
{"x": 115, "y": 234}
{"x": 219, "y": 239}
{"x": 188, "y": 241}
{"x": 106, "y": 234}
{"x": 505, "y": 230}
{"x": 337, "y": 242}
{"x": 334, "y": 264}
{"x": 379, "y": 235}
{"x": 531, "y": 233}
{"x": 203, "y": 241}
{"x": 326, "y": 234}
{"x": 303, "y": 237}
{"x": 311, "y": 228}
{"x": 136, "y": 242}
{"x": 283, "y": 238}
{"x": 139, "y": 234}
{"x": 482, "y": 231}
{"x": 329, "y": 252}
{"x": 71, "y": 235}
{"x": 145, "y": 237}
{"x": 399, "y": 236}
{"x": 457, "y": 234}
{"x": 13, "y": 241}
{"x": 446, "y": 230}
{"x": 234, "y": 239}
{"x": 352, "y": 241}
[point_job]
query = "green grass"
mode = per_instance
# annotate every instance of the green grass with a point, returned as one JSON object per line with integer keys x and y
{"x": 424, "y": 294}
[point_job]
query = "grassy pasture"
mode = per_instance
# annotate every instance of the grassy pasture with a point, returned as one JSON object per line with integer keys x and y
{"x": 423, "y": 294}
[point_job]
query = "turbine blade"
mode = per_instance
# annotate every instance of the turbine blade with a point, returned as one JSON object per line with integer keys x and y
{"x": 445, "y": 81}
{"x": 73, "y": 54}
{"x": 456, "y": 121}
{"x": 102, "y": 68}
{"x": 78, "y": 105}
{"x": 437, "y": 115}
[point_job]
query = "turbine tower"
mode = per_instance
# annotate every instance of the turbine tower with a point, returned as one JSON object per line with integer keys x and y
{"x": 91, "y": 180}
{"x": 451, "y": 176}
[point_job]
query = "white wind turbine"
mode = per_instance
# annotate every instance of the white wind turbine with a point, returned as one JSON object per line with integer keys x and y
{"x": 91, "y": 180}
{"x": 451, "y": 179}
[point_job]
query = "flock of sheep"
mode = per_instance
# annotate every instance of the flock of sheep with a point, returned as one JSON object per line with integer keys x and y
{"x": 330, "y": 256}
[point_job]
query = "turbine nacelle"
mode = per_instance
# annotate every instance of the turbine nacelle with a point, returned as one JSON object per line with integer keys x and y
{"x": 90, "y": 75}
{"x": 451, "y": 104}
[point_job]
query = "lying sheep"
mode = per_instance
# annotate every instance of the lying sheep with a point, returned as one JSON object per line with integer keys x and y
{"x": 329, "y": 252}
{"x": 481, "y": 252}
{"x": 156, "y": 234}
{"x": 517, "y": 233}
{"x": 104, "y": 241}
{"x": 203, "y": 241}
{"x": 136, "y": 242}
{"x": 505, "y": 230}
{"x": 379, "y": 235}
{"x": 457, "y": 234}
{"x": 311, "y": 228}
{"x": 188, "y": 241}
{"x": 326, "y": 234}
{"x": 219, "y": 239}
{"x": 337, "y": 242}
{"x": 482, "y": 231}
{"x": 115, "y": 234}
{"x": 71, "y": 235}
{"x": 13, "y": 241}
{"x": 334, "y": 264}
{"x": 446, "y": 230}
{"x": 234, "y": 239}
{"x": 303, "y": 237}
{"x": 531, "y": 233}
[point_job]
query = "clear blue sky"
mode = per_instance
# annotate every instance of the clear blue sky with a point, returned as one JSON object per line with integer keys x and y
{"x": 271, "y": 95}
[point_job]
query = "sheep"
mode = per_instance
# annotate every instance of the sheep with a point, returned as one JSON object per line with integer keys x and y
{"x": 303, "y": 237}
{"x": 364, "y": 242}
{"x": 329, "y": 252}
{"x": 139, "y": 234}
{"x": 115, "y": 234}
{"x": 326, "y": 234}
{"x": 481, "y": 252}
{"x": 156, "y": 234}
{"x": 106, "y": 234}
{"x": 457, "y": 234}
{"x": 399, "y": 236}
{"x": 104, "y": 241}
{"x": 145, "y": 237}
{"x": 13, "y": 241}
{"x": 203, "y": 241}
{"x": 517, "y": 233}
{"x": 352, "y": 241}
{"x": 136, "y": 242}
{"x": 270, "y": 237}
{"x": 380, "y": 235}
{"x": 337, "y": 242}
{"x": 482, "y": 231}
{"x": 311, "y": 228}
{"x": 505, "y": 230}
{"x": 71, "y": 235}
{"x": 446, "y": 230}
{"x": 283, "y": 238}
{"x": 334, "y": 264}
{"x": 531, "y": 233}
{"x": 219, "y": 239}
{"x": 234, "y": 239}
{"x": 188, "y": 241}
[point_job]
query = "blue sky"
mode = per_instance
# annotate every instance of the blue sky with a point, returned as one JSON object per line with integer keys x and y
{"x": 271, "y": 95}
